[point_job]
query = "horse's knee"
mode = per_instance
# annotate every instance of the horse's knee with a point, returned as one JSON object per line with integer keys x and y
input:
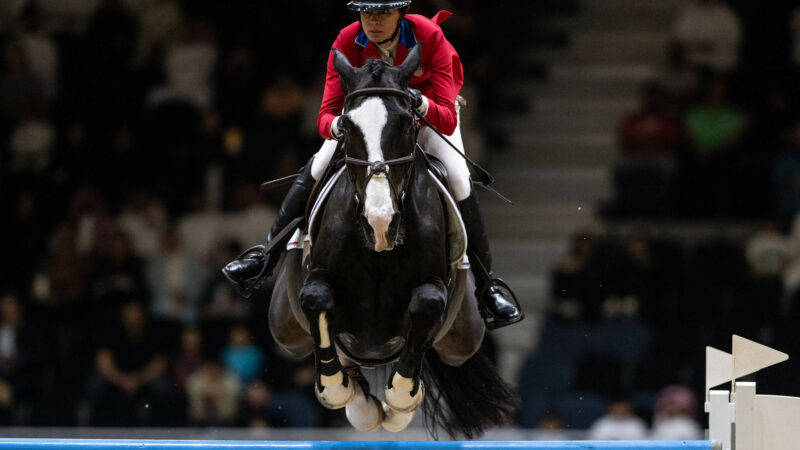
{"x": 316, "y": 294}
{"x": 429, "y": 299}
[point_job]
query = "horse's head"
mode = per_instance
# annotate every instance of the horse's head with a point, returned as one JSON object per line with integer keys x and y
{"x": 379, "y": 137}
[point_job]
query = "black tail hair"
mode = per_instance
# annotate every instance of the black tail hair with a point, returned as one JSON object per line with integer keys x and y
{"x": 465, "y": 400}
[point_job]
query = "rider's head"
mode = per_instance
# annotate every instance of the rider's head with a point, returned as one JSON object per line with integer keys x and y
{"x": 380, "y": 19}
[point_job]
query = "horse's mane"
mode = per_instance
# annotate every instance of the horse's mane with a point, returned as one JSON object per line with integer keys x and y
{"x": 376, "y": 68}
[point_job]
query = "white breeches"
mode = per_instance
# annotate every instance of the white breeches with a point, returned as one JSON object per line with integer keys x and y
{"x": 457, "y": 170}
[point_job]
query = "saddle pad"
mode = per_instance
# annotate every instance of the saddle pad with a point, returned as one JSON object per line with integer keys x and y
{"x": 456, "y": 232}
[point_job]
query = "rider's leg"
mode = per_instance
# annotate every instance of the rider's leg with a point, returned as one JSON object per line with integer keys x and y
{"x": 254, "y": 266}
{"x": 496, "y": 310}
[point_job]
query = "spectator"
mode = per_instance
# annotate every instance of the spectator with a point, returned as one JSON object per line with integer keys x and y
{"x": 767, "y": 252}
{"x": 130, "y": 372}
{"x": 714, "y": 126}
{"x": 677, "y": 81}
{"x": 21, "y": 93}
{"x": 159, "y": 21}
{"x": 634, "y": 282}
{"x": 619, "y": 424}
{"x": 144, "y": 220}
{"x": 651, "y": 132}
{"x": 190, "y": 359}
{"x": 117, "y": 276}
{"x": 61, "y": 278}
{"x": 257, "y": 410}
{"x": 40, "y": 51}
{"x": 21, "y": 354}
{"x": 675, "y": 415}
{"x": 241, "y": 357}
{"x": 786, "y": 178}
{"x": 576, "y": 280}
{"x": 199, "y": 230}
{"x": 175, "y": 278}
{"x": 213, "y": 395}
{"x": 188, "y": 63}
{"x": 711, "y": 33}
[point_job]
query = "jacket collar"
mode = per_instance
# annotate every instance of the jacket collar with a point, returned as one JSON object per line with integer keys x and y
{"x": 407, "y": 37}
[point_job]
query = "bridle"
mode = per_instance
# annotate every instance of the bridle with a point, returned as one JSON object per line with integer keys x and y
{"x": 382, "y": 167}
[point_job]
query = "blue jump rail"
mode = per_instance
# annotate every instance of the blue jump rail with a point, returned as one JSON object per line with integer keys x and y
{"x": 103, "y": 444}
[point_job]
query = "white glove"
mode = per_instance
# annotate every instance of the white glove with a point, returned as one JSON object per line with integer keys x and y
{"x": 335, "y": 132}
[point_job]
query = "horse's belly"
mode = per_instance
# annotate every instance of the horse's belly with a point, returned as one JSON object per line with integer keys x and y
{"x": 365, "y": 350}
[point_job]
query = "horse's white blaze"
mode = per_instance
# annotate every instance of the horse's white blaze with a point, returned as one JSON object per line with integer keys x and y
{"x": 371, "y": 117}
{"x": 324, "y": 337}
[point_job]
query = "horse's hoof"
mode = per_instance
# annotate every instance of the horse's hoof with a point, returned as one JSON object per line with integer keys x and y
{"x": 365, "y": 413}
{"x": 395, "y": 421}
{"x": 336, "y": 397}
{"x": 401, "y": 400}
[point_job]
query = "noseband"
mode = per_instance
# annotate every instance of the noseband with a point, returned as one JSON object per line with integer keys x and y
{"x": 382, "y": 167}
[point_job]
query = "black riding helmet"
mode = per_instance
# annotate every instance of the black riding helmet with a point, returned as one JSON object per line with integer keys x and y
{"x": 376, "y": 5}
{"x": 358, "y": 6}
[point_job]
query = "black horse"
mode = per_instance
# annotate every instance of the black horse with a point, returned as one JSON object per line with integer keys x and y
{"x": 378, "y": 285}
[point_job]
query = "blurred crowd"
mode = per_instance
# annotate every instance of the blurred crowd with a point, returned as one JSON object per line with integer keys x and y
{"x": 133, "y": 137}
{"x": 715, "y": 139}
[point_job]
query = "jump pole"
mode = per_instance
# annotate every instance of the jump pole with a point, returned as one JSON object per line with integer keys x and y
{"x": 102, "y": 444}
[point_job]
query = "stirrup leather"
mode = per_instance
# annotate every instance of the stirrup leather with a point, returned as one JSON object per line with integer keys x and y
{"x": 493, "y": 323}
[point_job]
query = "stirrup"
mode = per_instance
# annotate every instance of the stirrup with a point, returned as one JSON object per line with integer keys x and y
{"x": 246, "y": 288}
{"x": 492, "y": 323}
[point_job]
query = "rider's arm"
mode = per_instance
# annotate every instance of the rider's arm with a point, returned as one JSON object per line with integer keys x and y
{"x": 444, "y": 82}
{"x": 332, "y": 98}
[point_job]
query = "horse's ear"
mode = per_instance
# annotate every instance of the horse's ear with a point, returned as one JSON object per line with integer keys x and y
{"x": 411, "y": 64}
{"x": 343, "y": 67}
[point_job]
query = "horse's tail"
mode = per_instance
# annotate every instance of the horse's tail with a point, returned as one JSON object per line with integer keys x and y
{"x": 466, "y": 400}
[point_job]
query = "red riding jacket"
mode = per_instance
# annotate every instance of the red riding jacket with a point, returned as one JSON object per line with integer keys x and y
{"x": 440, "y": 81}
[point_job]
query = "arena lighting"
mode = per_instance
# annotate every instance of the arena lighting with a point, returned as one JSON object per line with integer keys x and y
{"x": 90, "y": 444}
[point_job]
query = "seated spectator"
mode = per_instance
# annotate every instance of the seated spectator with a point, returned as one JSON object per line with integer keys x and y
{"x": 767, "y": 252}
{"x": 213, "y": 395}
{"x": 189, "y": 63}
{"x": 21, "y": 353}
{"x": 711, "y": 33}
{"x": 40, "y": 50}
{"x": 676, "y": 80}
{"x": 143, "y": 219}
{"x": 130, "y": 372}
{"x": 633, "y": 283}
{"x": 175, "y": 279}
{"x": 675, "y": 415}
{"x": 190, "y": 358}
{"x": 258, "y": 410}
{"x": 619, "y": 424}
{"x": 576, "y": 279}
{"x": 117, "y": 276}
{"x": 60, "y": 281}
{"x": 551, "y": 428}
{"x": 21, "y": 92}
{"x": 241, "y": 357}
{"x": 786, "y": 178}
{"x": 714, "y": 126}
{"x": 651, "y": 132}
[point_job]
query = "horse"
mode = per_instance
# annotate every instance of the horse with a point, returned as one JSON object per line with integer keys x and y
{"x": 377, "y": 286}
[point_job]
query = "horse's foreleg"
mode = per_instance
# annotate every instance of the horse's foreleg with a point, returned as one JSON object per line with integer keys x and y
{"x": 405, "y": 391}
{"x": 333, "y": 388}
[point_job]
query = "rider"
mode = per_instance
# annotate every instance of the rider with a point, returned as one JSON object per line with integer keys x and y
{"x": 384, "y": 30}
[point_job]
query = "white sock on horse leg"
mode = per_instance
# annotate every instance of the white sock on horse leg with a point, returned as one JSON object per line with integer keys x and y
{"x": 396, "y": 421}
{"x": 365, "y": 412}
{"x": 399, "y": 398}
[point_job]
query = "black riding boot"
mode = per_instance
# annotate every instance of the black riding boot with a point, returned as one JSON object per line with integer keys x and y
{"x": 495, "y": 309}
{"x": 251, "y": 268}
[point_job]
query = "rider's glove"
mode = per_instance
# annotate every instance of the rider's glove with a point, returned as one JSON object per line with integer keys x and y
{"x": 335, "y": 132}
{"x": 418, "y": 101}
